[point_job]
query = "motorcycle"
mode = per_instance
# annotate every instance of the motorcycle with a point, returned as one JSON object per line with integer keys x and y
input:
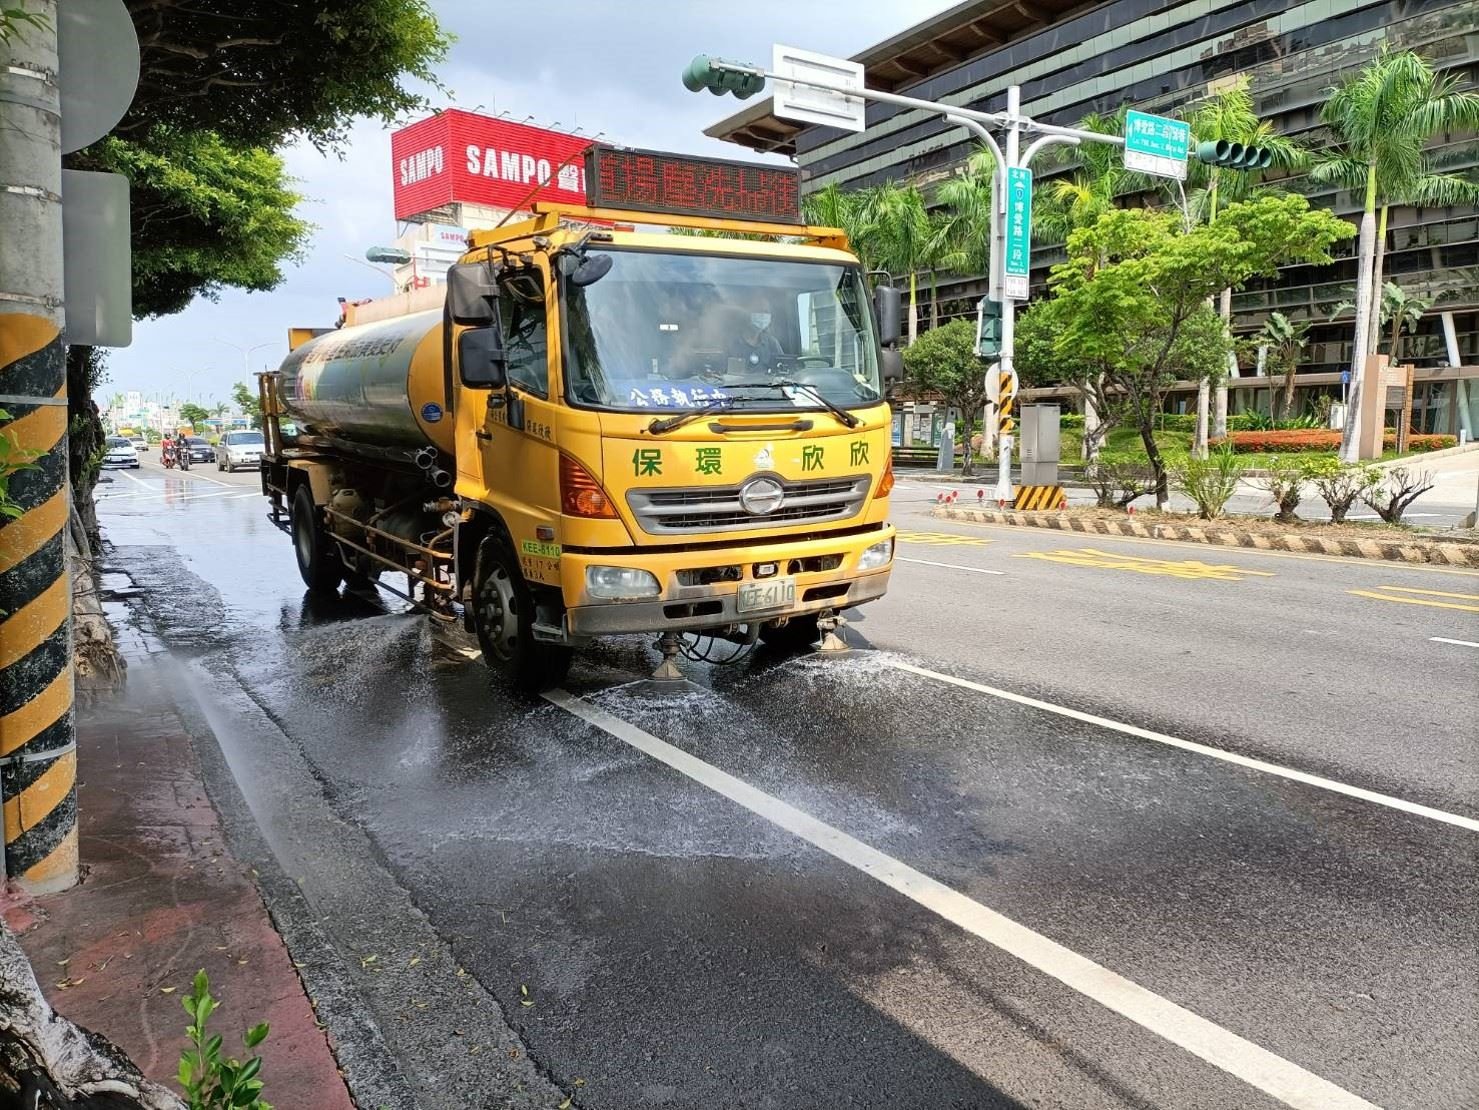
{"x": 183, "y": 454}
{"x": 167, "y": 456}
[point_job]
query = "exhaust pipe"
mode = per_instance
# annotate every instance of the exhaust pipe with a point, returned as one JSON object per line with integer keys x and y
{"x": 426, "y": 458}
{"x": 440, "y": 478}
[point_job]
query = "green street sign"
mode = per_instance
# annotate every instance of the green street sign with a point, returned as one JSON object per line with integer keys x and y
{"x": 1156, "y": 145}
{"x": 1017, "y": 259}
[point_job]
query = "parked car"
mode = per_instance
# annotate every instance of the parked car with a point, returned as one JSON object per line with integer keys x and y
{"x": 239, "y": 449}
{"x": 119, "y": 453}
{"x": 140, "y": 443}
{"x": 200, "y": 450}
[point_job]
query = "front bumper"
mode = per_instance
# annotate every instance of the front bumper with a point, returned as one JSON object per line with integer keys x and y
{"x": 687, "y": 608}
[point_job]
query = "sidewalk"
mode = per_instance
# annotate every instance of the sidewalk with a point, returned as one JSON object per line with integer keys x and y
{"x": 161, "y": 898}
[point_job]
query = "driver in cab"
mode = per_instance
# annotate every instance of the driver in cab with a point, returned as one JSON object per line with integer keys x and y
{"x": 755, "y": 348}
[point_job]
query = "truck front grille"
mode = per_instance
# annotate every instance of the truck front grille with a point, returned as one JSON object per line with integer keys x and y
{"x": 718, "y": 508}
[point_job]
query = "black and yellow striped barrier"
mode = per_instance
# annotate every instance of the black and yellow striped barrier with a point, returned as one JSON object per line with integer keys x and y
{"x": 1006, "y": 397}
{"x": 38, "y": 750}
{"x": 1039, "y": 497}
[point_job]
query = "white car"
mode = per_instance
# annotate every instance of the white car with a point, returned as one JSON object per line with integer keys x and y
{"x": 140, "y": 443}
{"x": 239, "y": 449}
{"x": 119, "y": 453}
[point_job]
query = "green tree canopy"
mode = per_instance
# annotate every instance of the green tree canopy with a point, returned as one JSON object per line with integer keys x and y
{"x": 194, "y": 415}
{"x": 943, "y": 360}
{"x": 248, "y": 402}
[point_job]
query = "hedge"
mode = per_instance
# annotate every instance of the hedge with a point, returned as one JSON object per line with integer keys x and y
{"x": 1316, "y": 439}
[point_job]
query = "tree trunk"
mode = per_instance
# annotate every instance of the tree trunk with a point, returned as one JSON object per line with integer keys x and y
{"x": 1365, "y": 245}
{"x": 1373, "y": 337}
{"x": 1157, "y": 464}
{"x": 47, "y": 1061}
{"x": 913, "y": 308}
{"x": 1219, "y": 405}
{"x": 1289, "y": 384}
{"x": 1204, "y": 400}
{"x": 934, "y": 300}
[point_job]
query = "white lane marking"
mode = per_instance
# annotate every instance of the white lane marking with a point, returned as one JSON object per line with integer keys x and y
{"x": 132, "y": 478}
{"x": 952, "y": 566}
{"x": 1201, "y": 749}
{"x": 1446, "y": 640}
{"x": 1271, "y": 1074}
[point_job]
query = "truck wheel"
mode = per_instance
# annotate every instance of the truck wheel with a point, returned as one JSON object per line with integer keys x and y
{"x": 796, "y": 634}
{"x": 318, "y": 557}
{"x": 503, "y": 614}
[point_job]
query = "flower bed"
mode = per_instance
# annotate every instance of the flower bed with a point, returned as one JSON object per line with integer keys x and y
{"x": 1316, "y": 439}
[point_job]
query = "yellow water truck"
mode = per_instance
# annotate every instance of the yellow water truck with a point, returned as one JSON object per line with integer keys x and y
{"x": 601, "y": 428}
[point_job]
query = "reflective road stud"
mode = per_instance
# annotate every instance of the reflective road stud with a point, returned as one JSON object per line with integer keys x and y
{"x": 38, "y": 759}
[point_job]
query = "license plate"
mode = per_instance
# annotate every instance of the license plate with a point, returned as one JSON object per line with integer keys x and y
{"x": 773, "y": 593}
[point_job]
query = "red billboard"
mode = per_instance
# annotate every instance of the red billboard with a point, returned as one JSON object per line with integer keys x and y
{"x": 461, "y": 156}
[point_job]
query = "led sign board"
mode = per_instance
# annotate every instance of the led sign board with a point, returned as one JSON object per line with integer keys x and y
{"x": 680, "y": 185}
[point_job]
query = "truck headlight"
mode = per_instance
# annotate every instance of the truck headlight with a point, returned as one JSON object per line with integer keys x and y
{"x": 876, "y": 556}
{"x": 621, "y": 582}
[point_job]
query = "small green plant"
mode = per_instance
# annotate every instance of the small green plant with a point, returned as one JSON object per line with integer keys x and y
{"x": 1117, "y": 481}
{"x": 1341, "y": 485}
{"x": 1210, "y": 482}
{"x": 13, "y": 459}
{"x": 210, "y": 1082}
{"x": 1392, "y": 493}
{"x": 1254, "y": 420}
{"x": 1284, "y": 481}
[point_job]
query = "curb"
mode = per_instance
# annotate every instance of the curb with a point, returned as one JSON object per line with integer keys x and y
{"x": 1412, "y": 551}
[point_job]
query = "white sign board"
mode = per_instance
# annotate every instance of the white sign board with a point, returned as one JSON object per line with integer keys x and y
{"x": 831, "y": 107}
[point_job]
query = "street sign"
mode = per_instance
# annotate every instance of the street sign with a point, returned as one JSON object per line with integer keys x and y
{"x": 1017, "y": 258}
{"x": 810, "y": 105}
{"x": 1156, "y": 145}
{"x": 98, "y": 54}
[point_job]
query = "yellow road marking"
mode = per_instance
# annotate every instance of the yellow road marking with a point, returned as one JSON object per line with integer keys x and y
{"x": 1191, "y": 569}
{"x": 1429, "y": 593}
{"x": 1416, "y": 601}
{"x": 942, "y": 539}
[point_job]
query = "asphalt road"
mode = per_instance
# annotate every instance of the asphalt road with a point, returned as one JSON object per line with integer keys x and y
{"x": 1082, "y": 822}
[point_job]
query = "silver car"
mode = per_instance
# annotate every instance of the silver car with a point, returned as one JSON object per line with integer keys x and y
{"x": 239, "y": 449}
{"x": 118, "y": 453}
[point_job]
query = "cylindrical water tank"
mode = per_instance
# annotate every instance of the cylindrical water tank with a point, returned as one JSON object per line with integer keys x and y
{"x": 381, "y": 384}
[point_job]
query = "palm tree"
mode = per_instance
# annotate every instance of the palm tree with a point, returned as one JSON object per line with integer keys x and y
{"x": 852, "y": 211}
{"x": 1078, "y": 201}
{"x": 1230, "y": 116}
{"x": 1284, "y": 340}
{"x": 1382, "y": 119}
{"x": 908, "y": 241}
{"x": 965, "y": 230}
{"x": 1403, "y": 312}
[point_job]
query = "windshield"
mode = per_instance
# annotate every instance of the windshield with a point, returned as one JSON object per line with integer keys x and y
{"x": 243, "y": 437}
{"x": 681, "y": 331}
{"x": 118, "y": 441}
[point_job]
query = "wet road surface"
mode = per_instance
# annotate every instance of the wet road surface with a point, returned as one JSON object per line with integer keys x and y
{"x": 851, "y": 882}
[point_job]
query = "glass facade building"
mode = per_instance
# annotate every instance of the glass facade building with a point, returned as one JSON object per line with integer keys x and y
{"x": 1163, "y": 57}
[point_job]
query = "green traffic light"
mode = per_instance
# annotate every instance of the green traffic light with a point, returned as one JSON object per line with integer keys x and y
{"x": 1234, "y": 156}
{"x": 720, "y": 77}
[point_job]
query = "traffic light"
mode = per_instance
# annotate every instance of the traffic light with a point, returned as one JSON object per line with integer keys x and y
{"x": 720, "y": 77}
{"x": 1234, "y": 156}
{"x": 988, "y": 328}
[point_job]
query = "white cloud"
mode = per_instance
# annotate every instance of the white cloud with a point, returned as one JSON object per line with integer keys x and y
{"x": 607, "y": 66}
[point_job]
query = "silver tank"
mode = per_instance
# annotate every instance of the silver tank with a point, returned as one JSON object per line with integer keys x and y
{"x": 380, "y": 384}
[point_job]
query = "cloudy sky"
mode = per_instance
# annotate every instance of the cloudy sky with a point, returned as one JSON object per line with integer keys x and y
{"x": 605, "y": 67}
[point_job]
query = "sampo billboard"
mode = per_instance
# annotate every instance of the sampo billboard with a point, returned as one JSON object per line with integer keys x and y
{"x": 460, "y": 156}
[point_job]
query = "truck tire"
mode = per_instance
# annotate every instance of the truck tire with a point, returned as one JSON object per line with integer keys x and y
{"x": 318, "y": 557}
{"x": 796, "y": 634}
{"x": 503, "y": 616}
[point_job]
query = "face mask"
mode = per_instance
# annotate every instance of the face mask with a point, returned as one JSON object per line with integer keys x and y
{"x": 761, "y": 320}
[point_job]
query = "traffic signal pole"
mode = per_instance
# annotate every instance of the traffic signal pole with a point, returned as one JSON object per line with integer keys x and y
{"x": 744, "y": 80}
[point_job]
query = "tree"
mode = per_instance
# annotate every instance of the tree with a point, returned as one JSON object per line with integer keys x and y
{"x": 943, "y": 360}
{"x": 852, "y": 211}
{"x": 1132, "y": 299}
{"x": 194, "y": 415}
{"x": 248, "y": 403}
{"x": 1229, "y": 116}
{"x": 1284, "y": 340}
{"x": 1069, "y": 203}
{"x": 1039, "y": 361}
{"x": 1402, "y": 311}
{"x": 1381, "y": 120}
{"x": 965, "y": 232}
{"x": 908, "y": 240}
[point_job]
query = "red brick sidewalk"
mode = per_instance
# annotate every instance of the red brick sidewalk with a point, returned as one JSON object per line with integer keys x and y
{"x": 161, "y": 897}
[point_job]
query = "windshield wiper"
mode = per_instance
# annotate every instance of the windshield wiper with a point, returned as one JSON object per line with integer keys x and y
{"x": 660, "y": 425}
{"x": 836, "y": 410}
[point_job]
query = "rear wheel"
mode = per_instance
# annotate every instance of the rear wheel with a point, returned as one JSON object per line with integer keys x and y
{"x": 795, "y": 635}
{"x": 503, "y": 615}
{"x": 318, "y": 557}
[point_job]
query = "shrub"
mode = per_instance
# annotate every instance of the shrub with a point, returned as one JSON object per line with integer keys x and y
{"x": 1394, "y": 491}
{"x": 1210, "y": 482}
{"x": 1176, "y": 422}
{"x": 1284, "y": 481}
{"x": 1340, "y": 485}
{"x": 213, "y": 1082}
{"x": 1071, "y": 420}
{"x": 1118, "y": 481}
{"x": 1288, "y": 440}
{"x": 1250, "y": 421}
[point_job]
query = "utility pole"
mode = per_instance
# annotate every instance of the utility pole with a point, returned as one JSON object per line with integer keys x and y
{"x": 38, "y": 744}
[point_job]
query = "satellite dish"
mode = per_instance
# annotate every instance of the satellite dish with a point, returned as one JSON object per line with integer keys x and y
{"x": 98, "y": 64}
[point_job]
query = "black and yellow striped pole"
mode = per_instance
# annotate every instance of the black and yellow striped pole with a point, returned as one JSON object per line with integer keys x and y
{"x": 1006, "y": 424}
{"x": 38, "y": 756}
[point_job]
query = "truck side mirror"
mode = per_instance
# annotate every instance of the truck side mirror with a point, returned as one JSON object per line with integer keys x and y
{"x": 481, "y": 359}
{"x": 888, "y": 306}
{"x": 472, "y": 287}
{"x": 892, "y": 365}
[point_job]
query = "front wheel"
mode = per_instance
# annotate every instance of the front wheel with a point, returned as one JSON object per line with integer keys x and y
{"x": 318, "y": 557}
{"x": 503, "y": 616}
